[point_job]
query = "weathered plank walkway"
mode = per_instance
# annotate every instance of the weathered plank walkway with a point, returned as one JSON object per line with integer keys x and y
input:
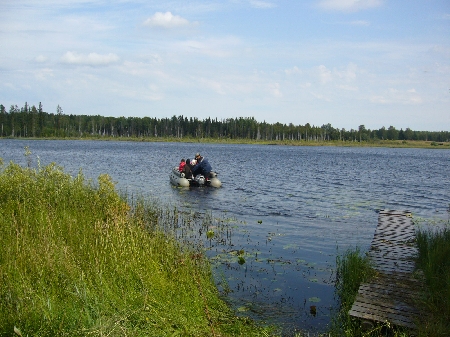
{"x": 389, "y": 296}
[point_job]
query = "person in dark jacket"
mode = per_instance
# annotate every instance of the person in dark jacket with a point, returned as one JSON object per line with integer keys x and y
{"x": 202, "y": 167}
{"x": 187, "y": 169}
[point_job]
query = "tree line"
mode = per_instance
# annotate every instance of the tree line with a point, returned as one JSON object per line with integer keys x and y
{"x": 33, "y": 122}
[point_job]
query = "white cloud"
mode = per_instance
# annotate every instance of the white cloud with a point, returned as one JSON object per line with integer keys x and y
{"x": 359, "y": 23}
{"x": 41, "y": 59}
{"x": 220, "y": 47}
{"x": 348, "y": 74}
{"x": 166, "y": 20}
{"x": 274, "y": 89}
{"x": 43, "y": 74}
{"x": 325, "y": 74}
{"x": 214, "y": 85}
{"x": 261, "y": 4}
{"x": 349, "y": 5}
{"x": 347, "y": 87}
{"x": 92, "y": 59}
{"x": 396, "y": 96}
{"x": 292, "y": 71}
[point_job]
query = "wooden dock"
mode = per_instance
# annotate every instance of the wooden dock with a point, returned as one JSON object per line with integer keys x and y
{"x": 389, "y": 296}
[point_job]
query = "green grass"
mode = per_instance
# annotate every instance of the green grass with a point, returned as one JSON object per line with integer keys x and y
{"x": 77, "y": 260}
{"x": 434, "y": 261}
{"x": 211, "y": 140}
{"x": 352, "y": 269}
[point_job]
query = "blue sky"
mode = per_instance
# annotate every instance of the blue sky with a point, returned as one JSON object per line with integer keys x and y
{"x": 344, "y": 62}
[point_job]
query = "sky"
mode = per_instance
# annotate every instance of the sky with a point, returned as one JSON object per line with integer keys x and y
{"x": 345, "y": 62}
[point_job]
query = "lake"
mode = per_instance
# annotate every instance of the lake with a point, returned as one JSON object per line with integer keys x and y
{"x": 290, "y": 209}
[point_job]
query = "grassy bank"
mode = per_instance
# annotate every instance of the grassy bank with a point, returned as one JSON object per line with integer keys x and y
{"x": 368, "y": 143}
{"x": 75, "y": 260}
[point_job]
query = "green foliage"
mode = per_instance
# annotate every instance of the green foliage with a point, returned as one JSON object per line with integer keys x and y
{"x": 434, "y": 261}
{"x": 33, "y": 122}
{"x": 352, "y": 269}
{"x": 75, "y": 260}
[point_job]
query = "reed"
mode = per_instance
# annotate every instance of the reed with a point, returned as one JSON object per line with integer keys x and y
{"x": 433, "y": 260}
{"x": 352, "y": 269}
{"x": 77, "y": 259}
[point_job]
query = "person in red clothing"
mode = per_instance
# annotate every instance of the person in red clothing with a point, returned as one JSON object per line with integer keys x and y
{"x": 182, "y": 165}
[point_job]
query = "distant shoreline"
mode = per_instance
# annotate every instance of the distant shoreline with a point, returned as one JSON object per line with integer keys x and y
{"x": 371, "y": 143}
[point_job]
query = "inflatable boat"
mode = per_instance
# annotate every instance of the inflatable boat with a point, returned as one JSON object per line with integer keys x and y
{"x": 177, "y": 178}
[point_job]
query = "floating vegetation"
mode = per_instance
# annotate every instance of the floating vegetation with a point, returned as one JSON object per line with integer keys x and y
{"x": 210, "y": 234}
{"x": 314, "y": 299}
{"x": 292, "y": 246}
{"x": 242, "y": 309}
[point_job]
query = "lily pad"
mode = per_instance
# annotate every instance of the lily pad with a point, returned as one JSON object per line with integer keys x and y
{"x": 314, "y": 299}
{"x": 242, "y": 309}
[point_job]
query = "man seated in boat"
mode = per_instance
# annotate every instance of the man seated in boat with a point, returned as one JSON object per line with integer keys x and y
{"x": 187, "y": 169}
{"x": 202, "y": 167}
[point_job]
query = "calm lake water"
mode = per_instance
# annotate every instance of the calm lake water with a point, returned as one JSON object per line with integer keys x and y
{"x": 290, "y": 209}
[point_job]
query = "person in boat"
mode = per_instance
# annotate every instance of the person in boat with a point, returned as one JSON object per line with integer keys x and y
{"x": 182, "y": 165}
{"x": 202, "y": 167}
{"x": 187, "y": 170}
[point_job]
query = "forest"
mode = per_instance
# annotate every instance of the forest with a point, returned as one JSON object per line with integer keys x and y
{"x": 33, "y": 122}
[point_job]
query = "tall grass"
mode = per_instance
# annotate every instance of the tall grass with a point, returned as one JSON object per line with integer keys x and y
{"x": 76, "y": 260}
{"x": 352, "y": 269}
{"x": 434, "y": 261}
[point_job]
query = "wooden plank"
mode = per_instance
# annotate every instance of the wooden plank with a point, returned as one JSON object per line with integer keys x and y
{"x": 389, "y": 296}
{"x": 387, "y": 302}
{"x": 371, "y": 308}
{"x": 383, "y": 317}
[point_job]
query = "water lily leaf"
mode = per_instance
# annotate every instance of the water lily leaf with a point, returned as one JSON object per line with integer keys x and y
{"x": 210, "y": 234}
{"x": 290, "y": 246}
{"x": 313, "y": 280}
{"x": 314, "y": 299}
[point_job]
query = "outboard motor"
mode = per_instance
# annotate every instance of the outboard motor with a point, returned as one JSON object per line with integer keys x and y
{"x": 200, "y": 180}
